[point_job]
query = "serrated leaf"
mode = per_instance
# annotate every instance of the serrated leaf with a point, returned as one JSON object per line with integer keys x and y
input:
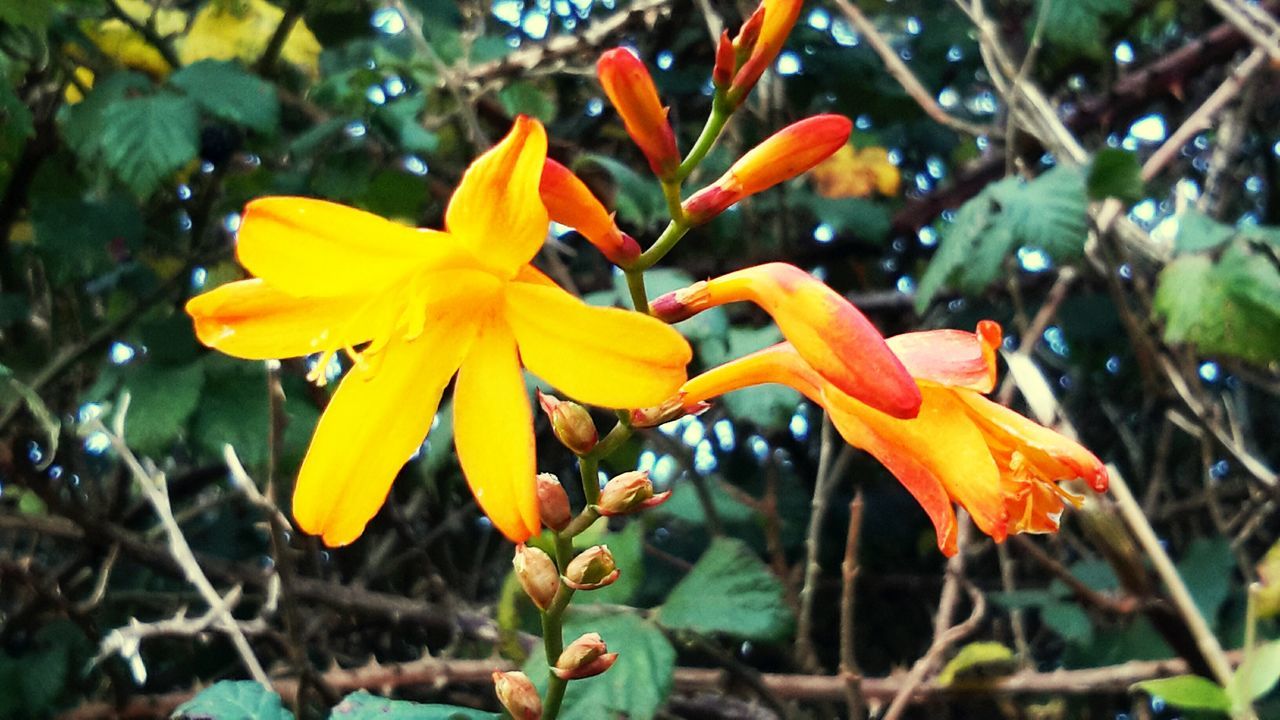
{"x": 227, "y": 91}
{"x": 1198, "y": 232}
{"x": 234, "y": 410}
{"x": 161, "y": 400}
{"x": 637, "y": 684}
{"x": 1117, "y": 174}
{"x": 1188, "y": 692}
{"x": 362, "y": 705}
{"x": 144, "y": 140}
{"x": 958, "y": 239}
{"x": 978, "y": 659}
{"x": 1050, "y": 212}
{"x": 233, "y": 700}
{"x": 82, "y": 123}
{"x": 729, "y": 591}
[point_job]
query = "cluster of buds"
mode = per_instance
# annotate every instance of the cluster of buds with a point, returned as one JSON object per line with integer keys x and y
{"x": 740, "y": 62}
{"x": 629, "y": 492}
{"x": 570, "y": 422}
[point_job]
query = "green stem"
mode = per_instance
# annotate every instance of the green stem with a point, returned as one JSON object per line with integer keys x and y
{"x": 639, "y": 296}
{"x": 618, "y": 435}
{"x": 589, "y": 469}
{"x": 671, "y": 191}
{"x": 720, "y": 114}
{"x": 660, "y": 247}
{"x": 553, "y": 630}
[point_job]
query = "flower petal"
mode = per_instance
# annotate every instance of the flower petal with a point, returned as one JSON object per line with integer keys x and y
{"x": 253, "y": 320}
{"x": 496, "y": 212}
{"x": 570, "y": 202}
{"x": 374, "y": 423}
{"x": 601, "y": 356}
{"x": 941, "y": 442}
{"x": 493, "y": 432}
{"x": 779, "y": 364}
{"x": 954, "y": 358}
{"x": 312, "y": 248}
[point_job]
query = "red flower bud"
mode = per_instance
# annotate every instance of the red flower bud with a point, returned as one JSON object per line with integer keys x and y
{"x": 726, "y": 62}
{"x": 627, "y": 83}
{"x": 585, "y": 657}
{"x": 629, "y": 492}
{"x": 760, "y": 40}
{"x": 570, "y": 202}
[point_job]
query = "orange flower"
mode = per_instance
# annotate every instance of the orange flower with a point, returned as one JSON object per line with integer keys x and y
{"x": 570, "y": 202}
{"x": 832, "y": 335}
{"x": 754, "y": 48}
{"x": 627, "y": 83}
{"x": 784, "y": 155}
{"x": 857, "y": 173}
{"x": 426, "y": 305}
{"x": 1002, "y": 467}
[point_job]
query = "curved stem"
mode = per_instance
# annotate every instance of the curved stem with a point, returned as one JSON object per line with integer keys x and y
{"x": 639, "y": 296}
{"x": 720, "y": 113}
{"x": 553, "y": 630}
{"x": 589, "y": 469}
{"x": 660, "y": 247}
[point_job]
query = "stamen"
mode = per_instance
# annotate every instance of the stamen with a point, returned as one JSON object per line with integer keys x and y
{"x": 319, "y": 374}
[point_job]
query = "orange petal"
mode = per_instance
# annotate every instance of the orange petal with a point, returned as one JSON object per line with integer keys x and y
{"x": 779, "y": 17}
{"x": 1050, "y": 455}
{"x": 600, "y": 356}
{"x": 496, "y": 212}
{"x": 493, "y": 432}
{"x": 252, "y": 320}
{"x": 570, "y": 202}
{"x": 941, "y": 442}
{"x": 312, "y": 248}
{"x": 827, "y": 330}
{"x": 954, "y": 358}
{"x": 779, "y": 364}
{"x": 376, "y": 420}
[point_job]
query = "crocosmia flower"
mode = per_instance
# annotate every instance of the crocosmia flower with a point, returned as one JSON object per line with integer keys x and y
{"x": 1003, "y": 468}
{"x": 412, "y": 308}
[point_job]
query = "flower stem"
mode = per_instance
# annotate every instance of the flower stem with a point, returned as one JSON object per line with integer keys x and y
{"x": 660, "y": 247}
{"x": 589, "y": 469}
{"x": 553, "y": 629}
{"x": 720, "y": 113}
{"x": 639, "y": 296}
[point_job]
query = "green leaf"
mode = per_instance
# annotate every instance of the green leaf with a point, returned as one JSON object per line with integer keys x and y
{"x": 1198, "y": 232}
{"x": 628, "y": 552}
{"x": 1228, "y": 308}
{"x": 225, "y": 90}
{"x": 1207, "y": 568}
{"x": 401, "y": 118}
{"x": 1078, "y": 25}
{"x": 637, "y": 684}
{"x": 82, "y": 124}
{"x": 639, "y": 199}
{"x": 1256, "y": 675}
{"x": 729, "y": 591}
{"x": 365, "y": 706}
{"x": 1188, "y": 692}
{"x": 233, "y": 700}
{"x": 1115, "y": 174}
{"x": 161, "y": 400}
{"x": 1050, "y": 212}
{"x": 1068, "y": 620}
{"x": 16, "y": 122}
{"x": 144, "y": 140}
{"x": 956, "y": 247}
{"x": 684, "y": 505}
{"x": 978, "y": 659}
{"x": 869, "y": 220}
{"x": 33, "y": 14}
{"x": 79, "y": 239}
{"x": 233, "y": 410}
{"x": 526, "y": 98}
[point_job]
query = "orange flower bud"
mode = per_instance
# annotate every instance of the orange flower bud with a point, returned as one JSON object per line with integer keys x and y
{"x": 672, "y": 409}
{"x": 585, "y": 657}
{"x": 628, "y": 493}
{"x": 758, "y": 43}
{"x": 518, "y": 695}
{"x": 726, "y": 62}
{"x": 627, "y": 83}
{"x": 570, "y": 422}
{"x": 592, "y": 569}
{"x": 553, "y": 503}
{"x": 784, "y": 155}
{"x": 570, "y": 202}
{"x": 537, "y": 574}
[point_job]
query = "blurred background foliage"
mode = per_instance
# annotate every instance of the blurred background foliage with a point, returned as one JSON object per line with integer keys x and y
{"x": 132, "y": 132}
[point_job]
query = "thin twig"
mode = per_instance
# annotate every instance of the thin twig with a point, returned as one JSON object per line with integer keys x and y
{"x": 849, "y": 670}
{"x": 940, "y": 645}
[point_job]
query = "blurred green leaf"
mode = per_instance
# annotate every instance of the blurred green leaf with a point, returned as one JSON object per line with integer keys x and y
{"x": 33, "y": 14}
{"x": 161, "y": 400}
{"x": 1188, "y": 692}
{"x": 144, "y": 140}
{"x": 1079, "y": 26}
{"x": 639, "y": 200}
{"x": 233, "y": 409}
{"x": 80, "y": 238}
{"x": 1207, "y": 567}
{"x": 1256, "y": 675}
{"x": 225, "y": 90}
{"x": 527, "y": 98}
{"x": 1198, "y": 232}
{"x": 1117, "y": 174}
{"x": 869, "y": 221}
{"x": 637, "y": 684}
{"x": 729, "y": 591}
{"x": 233, "y": 700}
{"x": 365, "y": 706}
{"x": 978, "y": 659}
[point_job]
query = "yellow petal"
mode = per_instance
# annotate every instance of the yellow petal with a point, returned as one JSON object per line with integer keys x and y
{"x": 601, "y": 356}
{"x": 496, "y": 212}
{"x": 493, "y": 432}
{"x": 313, "y": 248}
{"x": 252, "y": 320}
{"x": 376, "y": 420}
{"x": 941, "y": 440}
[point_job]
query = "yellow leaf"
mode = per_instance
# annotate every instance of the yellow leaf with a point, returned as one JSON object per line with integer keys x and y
{"x": 856, "y": 173}
{"x": 241, "y": 31}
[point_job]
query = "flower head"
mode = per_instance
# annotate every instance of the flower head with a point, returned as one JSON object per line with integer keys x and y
{"x": 413, "y": 308}
{"x": 1003, "y": 468}
{"x": 631, "y": 90}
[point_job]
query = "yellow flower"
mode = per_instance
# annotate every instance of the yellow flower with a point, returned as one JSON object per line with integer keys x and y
{"x": 857, "y": 173}
{"x": 412, "y": 308}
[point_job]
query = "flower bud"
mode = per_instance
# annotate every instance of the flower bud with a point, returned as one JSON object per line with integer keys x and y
{"x": 553, "y": 503}
{"x": 673, "y": 409}
{"x": 784, "y": 155}
{"x": 570, "y": 422}
{"x": 631, "y": 90}
{"x": 570, "y": 202}
{"x": 593, "y": 569}
{"x": 537, "y": 574}
{"x": 726, "y": 63}
{"x": 629, "y": 492}
{"x": 518, "y": 695}
{"x": 585, "y": 657}
{"x": 758, "y": 43}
